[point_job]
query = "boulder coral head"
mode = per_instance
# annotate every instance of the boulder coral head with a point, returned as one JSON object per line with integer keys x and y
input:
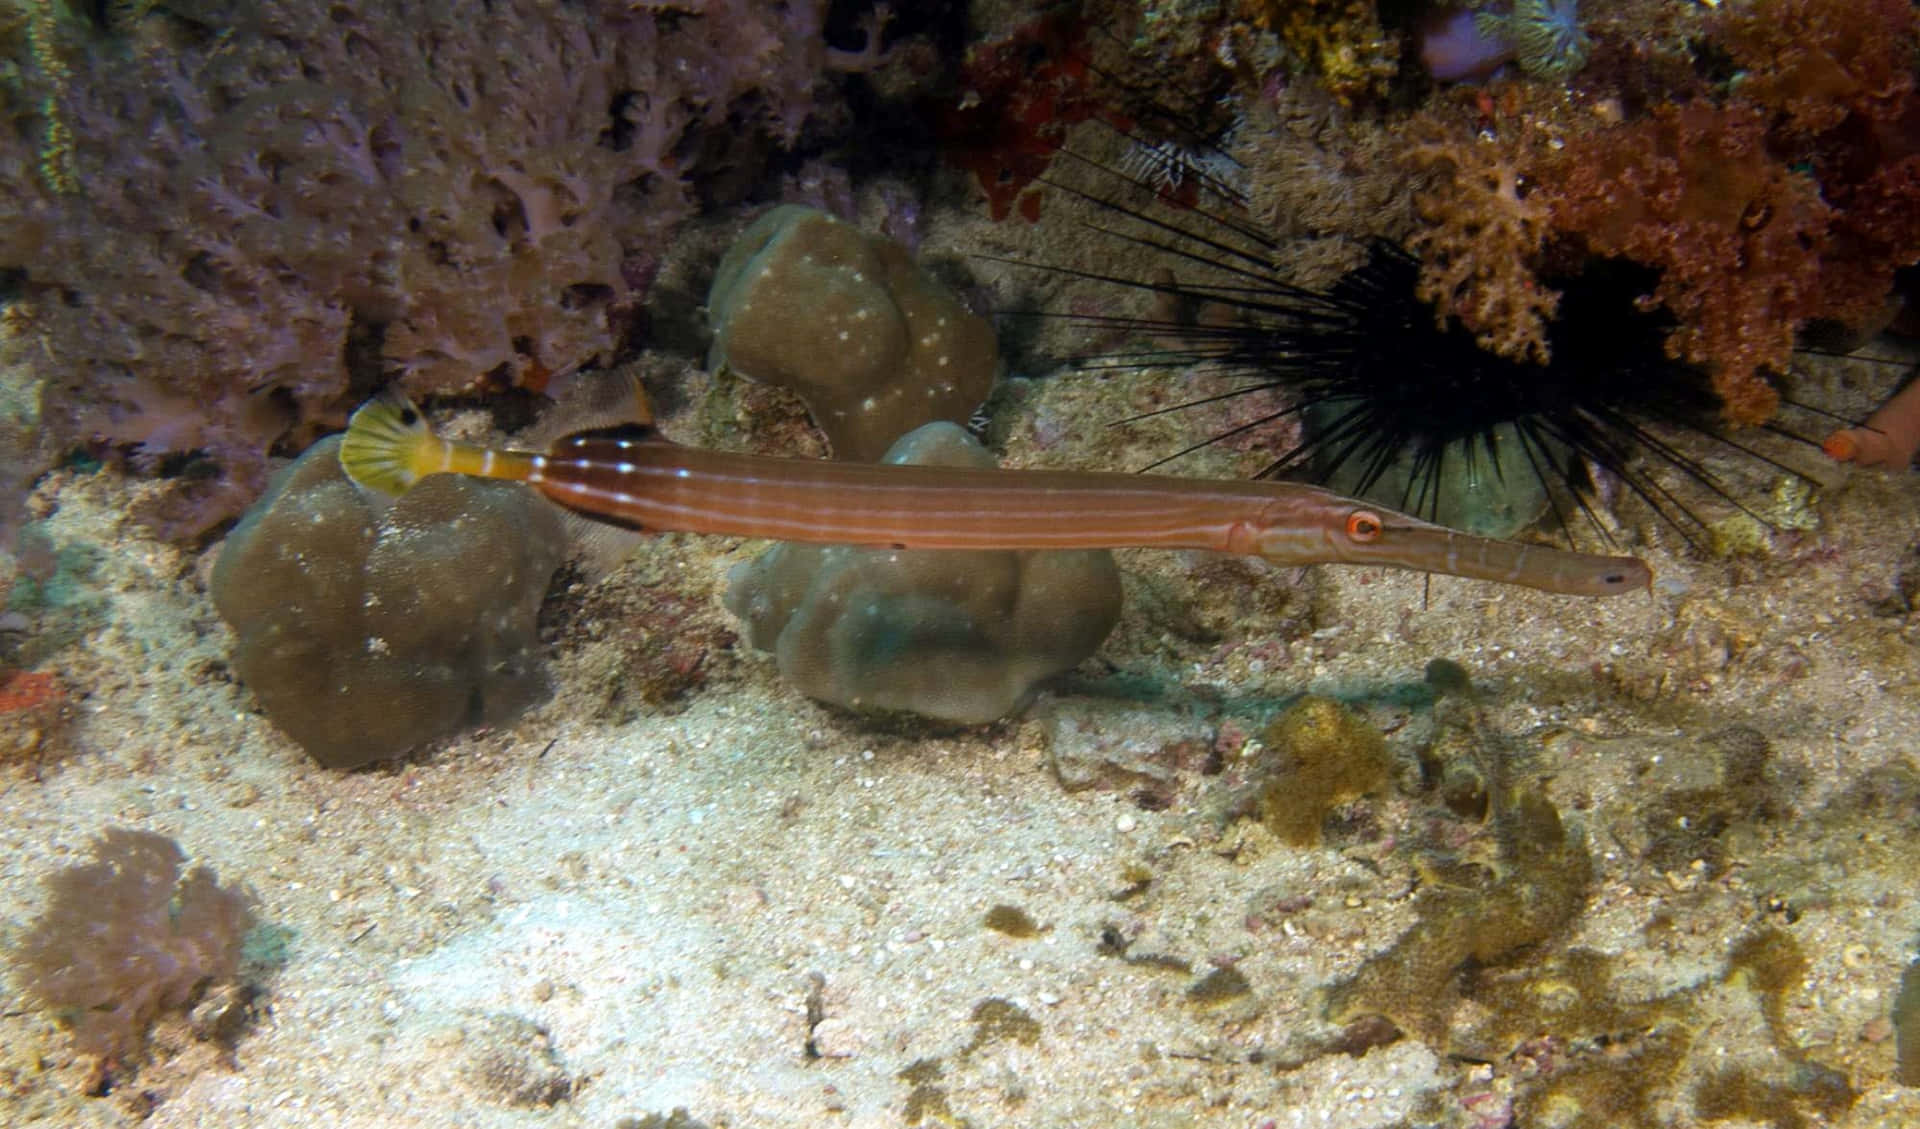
{"x": 871, "y": 342}
{"x": 366, "y": 630}
{"x": 960, "y": 637}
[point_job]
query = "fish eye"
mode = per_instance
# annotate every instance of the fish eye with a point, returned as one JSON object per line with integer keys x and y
{"x": 1363, "y": 526}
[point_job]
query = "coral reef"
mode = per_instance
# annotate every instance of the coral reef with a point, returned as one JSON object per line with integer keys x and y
{"x": 1456, "y": 45}
{"x": 1736, "y": 236}
{"x": 1463, "y": 43}
{"x": 1817, "y": 62}
{"x": 124, "y": 938}
{"x": 1548, "y": 41}
{"x": 1341, "y": 41}
{"x": 366, "y": 630}
{"x": 262, "y": 208}
{"x": 1790, "y": 196}
{"x": 872, "y": 343}
{"x": 960, "y": 637}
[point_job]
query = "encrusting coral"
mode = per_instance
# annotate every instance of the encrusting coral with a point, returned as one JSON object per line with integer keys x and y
{"x": 873, "y": 344}
{"x": 367, "y": 629}
{"x": 264, "y": 207}
{"x": 124, "y": 938}
{"x": 960, "y": 637}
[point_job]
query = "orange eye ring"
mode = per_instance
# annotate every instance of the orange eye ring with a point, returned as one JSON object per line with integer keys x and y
{"x": 1364, "y": 526}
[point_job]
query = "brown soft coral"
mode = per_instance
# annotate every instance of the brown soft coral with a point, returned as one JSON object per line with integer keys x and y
{"x": 1480, "y": 241}
{"x": 1737, "y": 236}
{"x": 1792, "y": 198}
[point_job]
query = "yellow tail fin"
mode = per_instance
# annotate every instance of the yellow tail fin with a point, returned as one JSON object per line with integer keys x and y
{"x": 385, "y": 441}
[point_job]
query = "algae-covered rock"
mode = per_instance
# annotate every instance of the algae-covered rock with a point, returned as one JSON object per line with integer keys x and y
{"x": 1330, "y": 756}
{"x": 1544, "y": 885}
{"x": 957, "y": 636}
{"x": 871, "y": 342}
{"x": 366, "y": 629}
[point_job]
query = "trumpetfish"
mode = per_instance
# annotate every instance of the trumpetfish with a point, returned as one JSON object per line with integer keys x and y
{"x": 632, "y": 476}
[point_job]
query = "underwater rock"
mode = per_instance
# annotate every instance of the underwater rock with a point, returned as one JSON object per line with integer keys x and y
{"x": 367, "y": 629}
{"x": 1117, "y": 746}
{"x": 961, "y": 637}
{"x": 1484, "y": 485}
{"x": 871, "y": 342}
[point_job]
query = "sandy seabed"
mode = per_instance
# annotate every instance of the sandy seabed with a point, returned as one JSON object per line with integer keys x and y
{"x": 760, "y": 912}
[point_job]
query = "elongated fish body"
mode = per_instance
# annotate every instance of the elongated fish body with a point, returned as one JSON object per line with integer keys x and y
{"x": 633, "y": 477}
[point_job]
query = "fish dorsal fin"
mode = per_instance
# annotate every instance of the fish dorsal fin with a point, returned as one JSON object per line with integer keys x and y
{"x": 592, "y": 402}
{"x": 620, "y": 432}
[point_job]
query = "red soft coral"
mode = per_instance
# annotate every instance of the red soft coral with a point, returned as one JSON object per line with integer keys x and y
{"x": 1019, "y": 96}
{"x": 1817, "y": 61}
{"x": 1738, "y": 237}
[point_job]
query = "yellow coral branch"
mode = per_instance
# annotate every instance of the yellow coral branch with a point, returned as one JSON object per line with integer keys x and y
{"x": 57, "y": 163}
